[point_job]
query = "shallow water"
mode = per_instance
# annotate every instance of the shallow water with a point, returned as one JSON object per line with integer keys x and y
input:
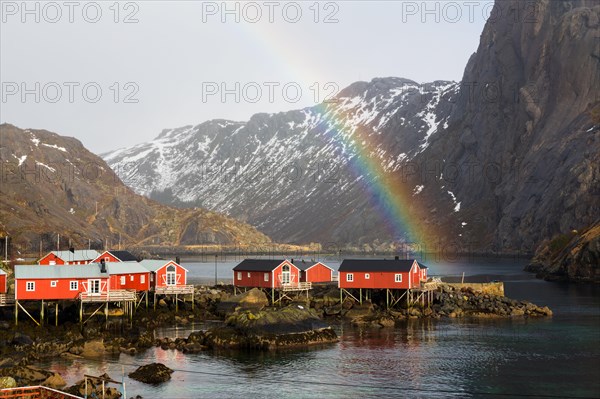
{"x": 556, "y": 357}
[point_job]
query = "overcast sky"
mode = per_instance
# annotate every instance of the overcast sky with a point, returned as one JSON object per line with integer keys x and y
{"x": 114, "y": 76}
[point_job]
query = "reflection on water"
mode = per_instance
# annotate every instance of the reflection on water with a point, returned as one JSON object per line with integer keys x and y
{"x": 421, "y": 358}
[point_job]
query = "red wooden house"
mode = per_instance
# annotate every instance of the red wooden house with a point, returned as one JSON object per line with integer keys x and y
{"x": 115, "y": 256}
{"x": 315, "y": 272}
{"x": 379, "y": 274}
{"x": 128, "y": 276}
{"x": 75, "y": 257}
{"x": 266, "y": 273}
{"x": 423, "y": 271}
{"x": 3, "y": 282}
{"x": 165, "y": 273}
{"x": 40, "y": 282}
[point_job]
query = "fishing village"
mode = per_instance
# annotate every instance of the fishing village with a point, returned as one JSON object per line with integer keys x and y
{"x": 86, "y": 304}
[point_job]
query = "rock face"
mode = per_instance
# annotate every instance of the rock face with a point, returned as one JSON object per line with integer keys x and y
{"x": 291, "y": 326}
{"x": 90, "y": 201}
{"x": 498, "y": 162}
{"x": 154, "y": 373}
{"x": 253, "y": 299}
{"x": 571, "y": 257}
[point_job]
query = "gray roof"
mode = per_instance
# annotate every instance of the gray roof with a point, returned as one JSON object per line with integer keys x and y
{"x": 125, "y": 267}
{"x": 376, "y": 265}
{"x": 154, "y": 264}
{"x": 91, "y": 270}
{"x": 77, "y": 255}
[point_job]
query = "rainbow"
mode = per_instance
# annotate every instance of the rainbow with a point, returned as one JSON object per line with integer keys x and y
{"x": 389, "y": 195}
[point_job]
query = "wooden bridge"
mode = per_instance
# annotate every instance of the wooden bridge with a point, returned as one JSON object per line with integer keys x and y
{"x": 7, "y": 300}
{"x": 174, "y": 290}
{"x": 110, "y": 296}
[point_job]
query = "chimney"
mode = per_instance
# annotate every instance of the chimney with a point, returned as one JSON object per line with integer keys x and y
{"x": 396, "y": 257}
{"x": 102, "y": 266}
{"x": 292, "y": 260}
{"x": 177, "y": 260}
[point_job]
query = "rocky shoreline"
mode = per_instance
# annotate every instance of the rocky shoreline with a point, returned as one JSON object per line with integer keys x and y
{"x": 246, "y": 321}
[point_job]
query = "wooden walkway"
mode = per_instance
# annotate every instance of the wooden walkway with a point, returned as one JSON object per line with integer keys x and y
{"x": 110, "y": 296}
{"x": 296, "y": 287}
{"x": 35, "y": 392}
{"x": 7, "y": 299}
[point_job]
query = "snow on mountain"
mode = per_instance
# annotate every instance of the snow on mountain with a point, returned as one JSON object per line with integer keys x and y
{"x": 293, "y": 174}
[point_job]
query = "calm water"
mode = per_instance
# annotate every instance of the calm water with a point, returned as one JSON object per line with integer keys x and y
{"x": 556, "y": 357}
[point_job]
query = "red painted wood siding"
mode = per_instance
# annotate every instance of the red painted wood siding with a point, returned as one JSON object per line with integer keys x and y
{"x": 257, "y": 278}
{"x": 107, "y": 256}
{"x": 135, "y": 284}
{"x": 3, "y": 285}
{"x": 44, "y": 290}
{"x": 381, "y": 280}
{"x": 51, "y": 257}
{"x": 160, "y": 277}
{"x": 318, "y": 273}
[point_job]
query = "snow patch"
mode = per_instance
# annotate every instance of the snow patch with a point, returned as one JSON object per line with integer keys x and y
{"x": 63, "y": 149}
{"x": 418, "y": 189}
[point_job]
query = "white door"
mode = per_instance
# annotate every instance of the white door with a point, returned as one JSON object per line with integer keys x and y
{"x": 94, "y": 287}
{"x": 285, "y": 275}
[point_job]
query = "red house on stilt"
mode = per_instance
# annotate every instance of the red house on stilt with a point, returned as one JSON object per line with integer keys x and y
{"x": 265, "y": 273}
{"x": 75, "y": 257}
{"x": 3, "y": 282}
{"x": 116, "y": 256}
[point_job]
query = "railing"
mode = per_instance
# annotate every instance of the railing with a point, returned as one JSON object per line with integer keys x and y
{"x": 6, "y": 299}
{"x": 174, "y": 290}
{"x": 111, "y": 296}
{"x": 35, "y": 392}
{"x": 296, "y": 286}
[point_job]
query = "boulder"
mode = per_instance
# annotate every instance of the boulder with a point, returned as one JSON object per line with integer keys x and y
{"x": 154, "y": 373}
{"x": 54, "y": 381}
{"x": 254, "y": 299}
{"x": 93, "y": 349}
{"x": 7, "y": 382}
{"x": 21, "y": 339}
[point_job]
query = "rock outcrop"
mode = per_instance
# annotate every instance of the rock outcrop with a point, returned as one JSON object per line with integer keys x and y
{"x": 569, "y": 257}
{"x": 154, "y": 373}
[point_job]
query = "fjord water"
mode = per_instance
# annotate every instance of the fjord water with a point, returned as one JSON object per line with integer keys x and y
{"x": 547, "y": 357}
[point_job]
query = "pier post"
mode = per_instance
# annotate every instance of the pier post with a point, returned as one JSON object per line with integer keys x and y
{"x": 106, "y": 311}
{"x": 176, "y": 304}
{"x": 146, "y": 299}
{"x": 360, "y": 295}
{"x": 56, "y": 314}
{"x": 81, "y": 311}
{"x": 16, "y": 313}
{"x": 387, "y": 298}
{"x": 42, "y": 313}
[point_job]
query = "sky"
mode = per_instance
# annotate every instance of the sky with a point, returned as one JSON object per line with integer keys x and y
{"x": 116, "y": 74}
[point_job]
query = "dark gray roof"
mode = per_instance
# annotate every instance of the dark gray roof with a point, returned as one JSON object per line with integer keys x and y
{"x": 376, "y": 265}
{"x": 422, "y": 266}
{"x": 258, "y": 265}
{"x": 124, "y": 256}
{"x": 304, "y": 265}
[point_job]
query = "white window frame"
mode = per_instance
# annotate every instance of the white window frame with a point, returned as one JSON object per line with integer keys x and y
{"x": 367, "y": 276}
{"x": 53, "y": 283}
{"x": 239, "y": 276}
{"x": 122, "y": 280}
{"x": 142, "y": 278}
{"x": 248, "y": 274}
{"x": 349, "y": 277}
{"x": 398, "y": 277}
{"x": 30, "y": 286}
{"x": 74, "y": 285}
{"x": 266, "y": 277}
{"x": 131, "y": 278}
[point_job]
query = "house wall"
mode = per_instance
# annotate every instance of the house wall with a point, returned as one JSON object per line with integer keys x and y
{"x": 107, "y": 256}
{"x": 3, "y": 285}
{"x": 160, "y": 277}
{"x": 44, "y": 290}
{"x": 135, "y": 284}
{"x": 376, "y": 280}
{"x": 49, "y": 258}
{"x": 294, "y": 274}
{"x": 318, "y": 273}
{"x": 242, "y": 278}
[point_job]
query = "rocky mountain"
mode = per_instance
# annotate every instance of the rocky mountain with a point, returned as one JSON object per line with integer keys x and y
{"x": 498, "y": 162}
{"x": 52, "y": 185}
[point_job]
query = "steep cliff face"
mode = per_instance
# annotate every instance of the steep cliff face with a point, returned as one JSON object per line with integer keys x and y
{"x": 52, "y": 185}
{"x": 527, "y": 125}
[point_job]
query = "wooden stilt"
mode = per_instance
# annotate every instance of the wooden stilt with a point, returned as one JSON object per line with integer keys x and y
{"x": 16, "y": 313}
{"x": 81, "y": 311}
{"x": 42, "y": 313}
{"x": 360, "y": 296}
{"x": 146, "y": 299}
{"x": 106, "y": 311}
{"x": 387, "y": 298}
{"x": 176, "y": 304}
{"x": 56, "y": 314}
{"x": 193, "y": 300}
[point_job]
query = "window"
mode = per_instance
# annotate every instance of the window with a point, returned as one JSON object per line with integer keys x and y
{"x": 350, "y": 277}
{"x": 106, "y": 259}
{"x": 248, "y": 274}
{"x": 53, "y": 283}
{"x": 239, "y": 275}
{"x": 367, "y": 276}
{"x": 171, "y": 276}
{"x": 415, "y": 270}
{"x": 52, "y": 262}
{"x": 74, "y": 285}
{"x": 131, "y": 278}
{"x": 142, "y": 279}
{"x": 266, "y": 276}
{"x": 151, "y": 277}
{"x": 122, "y": 280}
{"x": 398, "y": 278}
{"x": 30, "y": 286}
